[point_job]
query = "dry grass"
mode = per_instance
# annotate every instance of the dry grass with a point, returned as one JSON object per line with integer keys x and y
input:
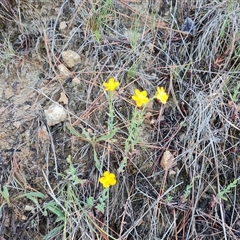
{"x": 200, "y": 125}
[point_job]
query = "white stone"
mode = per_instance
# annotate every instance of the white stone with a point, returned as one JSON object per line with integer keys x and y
{"x": 76, "y": 81}
{"x": 55, "y": 114}
{"x": 29, "y": 208}
{"x": 62, "y": 26}
{"x": 71, "y": 58}
{"x": 17, "y": 124}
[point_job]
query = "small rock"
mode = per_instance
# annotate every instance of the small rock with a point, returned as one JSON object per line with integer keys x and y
{"x": 24, "y": 218}
{"x": 64, "y": 71}
{"x": 167, "y": 160}
{"x": 55, "y": 114}
{"x": 76, "y": 81}
{"x": 189, "y": 26}
{"x": 71, "y": 58}
{"x": 172, "y": 173}
{"x": 29, "y": 208}
{"x": 63, "y": 98}
{"x": 17, "y": 124}
{"x": 62, "y": 26}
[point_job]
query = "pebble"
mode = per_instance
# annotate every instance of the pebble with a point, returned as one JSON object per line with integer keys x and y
{"x": 55, "y": 114}
{"x": 71, "y": 58}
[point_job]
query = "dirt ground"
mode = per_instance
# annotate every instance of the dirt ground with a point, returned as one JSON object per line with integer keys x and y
{"x": 192, "y": 48}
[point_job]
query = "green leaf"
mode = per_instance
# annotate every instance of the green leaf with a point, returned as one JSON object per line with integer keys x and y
{"x": 71, "y": 169}
{"x": 122, "y": 166}
{"x": 133, "y": 70}
{"x": 97, "y": 162}
{"x": 108, "y": 136}
{"x": 69, "y": 159}
{"x": 32, "y": 195}
{"x": 90, "y": 202}
{"x": 100, "y": 207}
{"x": 187, "y": 191}
{"x": 51, "y": 206}
{"x": 35, "y": 200}
{"x": 221, "y": 196}
{"x": 53, "y": 233}
{"x": 72, "y": 172}
{"x": 74, "y": 132}
{"x": 5, "y": 193}
{"x": 227, "y": 189}
{"x": 104, "y": 196}
{"x": 85, "y": 135}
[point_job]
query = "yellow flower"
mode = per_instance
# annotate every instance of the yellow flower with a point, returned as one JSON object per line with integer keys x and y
{"x": 140, "y": 97}
{"x": 161, "y": 95}
{"x": 108, "y": 179}
{"x": 111, "y": 84}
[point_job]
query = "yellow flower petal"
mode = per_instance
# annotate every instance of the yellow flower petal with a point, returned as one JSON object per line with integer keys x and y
{"x": 161, "y": 95}
{"x": 140, "y": 98}
{"x": 111, "y": 84}
{"x": 108, "y": 179}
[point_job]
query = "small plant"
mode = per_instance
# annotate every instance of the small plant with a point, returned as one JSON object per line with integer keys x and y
{"x": 135, "y": 36}
{"x": 133, "y": 135}
{"x": 188, "y": 189}
{"x": 5, "y": 194}
{"x": 102, "y": 200}
{"x": 34, "y": 197}
{"x": 141, "y": 100}
{"x": 7, "y": 53}
{"x": 133, "y": 70}
{"x": 65, "y": 202}
{"x": 227, "y": 189}
{"x": 108, "y": 179}
{"x": 234, "y": 97}
{"x": 101, "y": 13}
{"x": 72, "y": 173}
